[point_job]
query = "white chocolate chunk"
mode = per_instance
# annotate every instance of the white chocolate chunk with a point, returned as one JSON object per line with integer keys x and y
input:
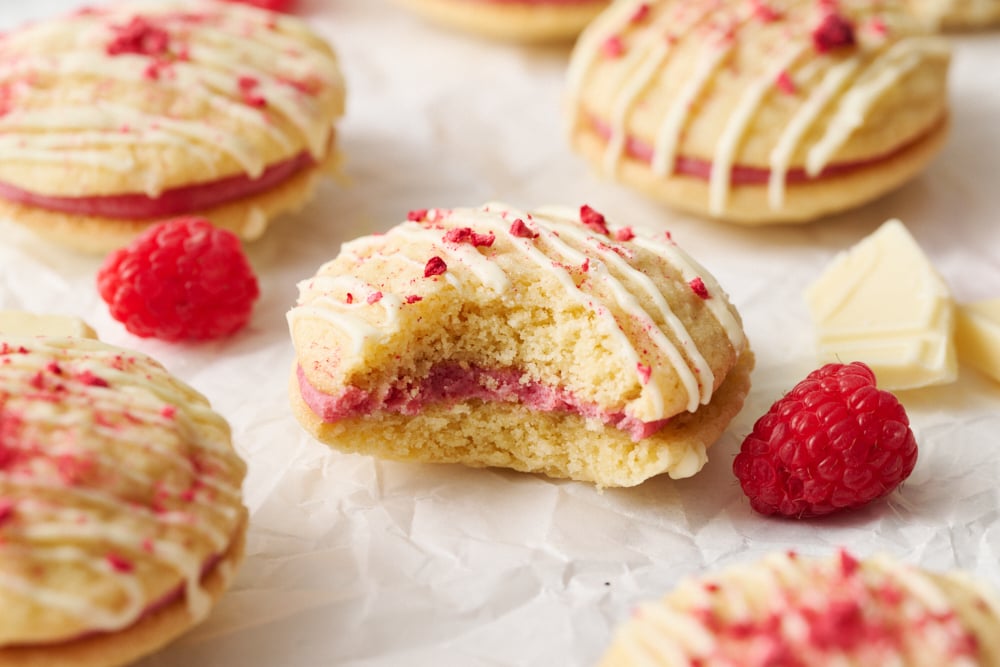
{"x": 882, "y": 302}
{"x": 977, "y": 336}
{"x": 21, "y": 323}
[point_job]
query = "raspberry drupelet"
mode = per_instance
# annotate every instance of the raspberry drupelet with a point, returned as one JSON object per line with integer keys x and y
{"x": 834, "y": 442}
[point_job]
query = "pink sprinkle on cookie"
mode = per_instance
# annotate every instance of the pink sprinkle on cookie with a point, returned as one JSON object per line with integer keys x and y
{"x": 698, "y": 287}
{"x": 248, "y": 89}
{"x": 435, "y": 267}
{"x": 119, "y": 563}
{"x": 466, "y": 235}
{"x": 624, "y": 234}
{"x": 613, "y": 47}
{"x": 785, "y": 83}
{"x": 640, "y": 14}
{"x": 593, "y": 219}
{"x": 139, "y": 36}
{"x": 521, "y": 230}
{"x": 6, "y": 510}
{"x": 833, "y": 32}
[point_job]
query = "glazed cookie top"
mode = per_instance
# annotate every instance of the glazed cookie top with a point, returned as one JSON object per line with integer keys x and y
{"x": 139, "y": 98}
{"x": 775, "y": 85}
{"x": 623, "y": 318}
{"x": 794, "y": 610}
{"x": 119, "y": 488}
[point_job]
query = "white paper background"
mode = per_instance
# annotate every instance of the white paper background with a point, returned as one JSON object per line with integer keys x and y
{"x": 358, "y": 562}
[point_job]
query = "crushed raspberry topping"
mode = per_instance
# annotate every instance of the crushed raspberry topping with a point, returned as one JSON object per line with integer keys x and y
{"x": 785, "y": 83}
{"x": 698, "y": 287}
{"x": 624, "y": 234}
{"x": 835, "y": 442}
{"x": 640, "y": 14}
{"x": 764, "y": 12}
{"x": 273, "y": 5}
{"x": 521, "y": 230}
{"x": 88, "y": 378}
{"x": 413, "y": 298}
{"x": 593, "y": 219}
{"x": 248, "y": 90}
{"x": 139, "y": 36}
{"x": 435, "y": 267}
{"x": 878, "y": 26}
{"x": 417, "y": 215}
{"x": 374, "y": 297}
{"x": 349, "y": 298}
{"x": 169, "y": 411}
{"x": 6, "y": 99}
{"x": 833, "y": 32}
{"x": 613, "y": 47}
{"x": 645, "y": 372}
{"x": 181, "y": 279}
{"x": 466, "y": 235}
{"x": 6, "y": 510}
{"x": 119, "y": 563}
{"x": 307, "y": 86}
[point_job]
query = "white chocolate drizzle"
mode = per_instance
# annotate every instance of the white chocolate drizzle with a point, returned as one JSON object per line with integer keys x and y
{"x": 109, "y": 401}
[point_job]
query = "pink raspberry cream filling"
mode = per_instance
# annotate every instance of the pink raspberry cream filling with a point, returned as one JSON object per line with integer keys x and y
{"x": 173, "y": 202}
{"x": 451, "y": 384}
{"x": 743, "y": 174}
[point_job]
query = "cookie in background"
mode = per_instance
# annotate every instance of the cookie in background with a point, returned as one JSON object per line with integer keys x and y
{"x": 512, "y": 20}
{"x": 116, "y": 116}
{"x": 759, "y": 111}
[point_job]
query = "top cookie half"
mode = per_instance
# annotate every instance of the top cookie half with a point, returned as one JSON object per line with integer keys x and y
{"x": 114, "y": 116}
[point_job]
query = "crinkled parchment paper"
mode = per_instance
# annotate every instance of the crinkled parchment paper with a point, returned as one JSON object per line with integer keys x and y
{"x": 353, "y": 561}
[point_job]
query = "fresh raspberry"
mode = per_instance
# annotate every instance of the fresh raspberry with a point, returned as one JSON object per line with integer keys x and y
{"x": 273, "y": 5}
{"x": 834, "y": 442}
{"x": 180, "y": 280}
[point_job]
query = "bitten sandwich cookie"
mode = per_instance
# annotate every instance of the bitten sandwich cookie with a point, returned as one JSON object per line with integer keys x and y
{"x": 514, "y": 20}
{"x": 553, "y": 341}
{"x": 121, "y": 519}
{"x": 119, "y": 115}
{"x": 759, "y": 111}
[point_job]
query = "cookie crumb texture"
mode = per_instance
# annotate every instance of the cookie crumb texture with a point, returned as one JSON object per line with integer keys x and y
{"x": 180, "y": 280}
{"x": 132, "y": 112}
{"x": 793, "y": 610}
{"x": 533, "y": 341}
{"x": 758, "y": 111}
{"x": 119, "y": 494}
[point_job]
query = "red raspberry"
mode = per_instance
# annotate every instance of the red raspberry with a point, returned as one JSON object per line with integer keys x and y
{"x": 273, "y": 5}
{"x": 180, "y": 280}
{"x": 834, "y": 442}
